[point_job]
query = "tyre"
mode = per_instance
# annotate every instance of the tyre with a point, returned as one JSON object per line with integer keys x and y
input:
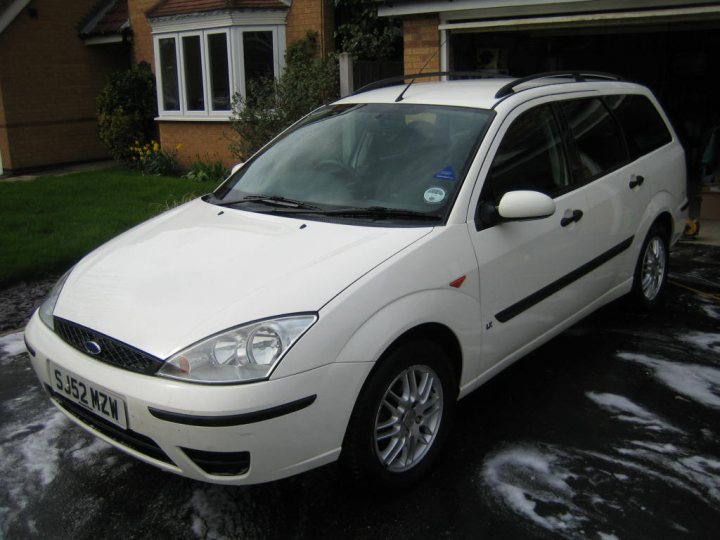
{"x": 651, "y": 270}
{"x": 402, "y": 417}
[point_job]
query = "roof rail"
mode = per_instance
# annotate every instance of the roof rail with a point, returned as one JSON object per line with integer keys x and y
{"x": 400, "y": 79}
{"x": 579, "y": 76}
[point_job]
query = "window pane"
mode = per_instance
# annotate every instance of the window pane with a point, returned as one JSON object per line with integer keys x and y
{"x": 169, "y": 74}
{"x": 643, "y": 126}
{"x": 219, "y": 75}
{"x": 258, "y": 56}
{"x": 530, "y": 157}
{"x": 195, "y": 101}
{"x": 597, "y": 139}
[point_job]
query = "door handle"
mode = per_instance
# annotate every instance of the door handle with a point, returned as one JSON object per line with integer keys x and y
{"x": 636, "y": 181}
{"x": 576, "y": 216}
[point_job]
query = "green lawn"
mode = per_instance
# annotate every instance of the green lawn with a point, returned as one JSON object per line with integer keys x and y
{"x": 48, "y": 224}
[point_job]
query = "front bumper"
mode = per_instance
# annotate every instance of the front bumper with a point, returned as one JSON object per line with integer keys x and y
{"x": 230, "y": 434}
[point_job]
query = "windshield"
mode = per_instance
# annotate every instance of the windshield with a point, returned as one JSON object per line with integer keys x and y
{"x": 392, "y": 160}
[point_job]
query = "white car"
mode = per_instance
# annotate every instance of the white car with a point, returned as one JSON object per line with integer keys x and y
{"x": 376, "y": 262}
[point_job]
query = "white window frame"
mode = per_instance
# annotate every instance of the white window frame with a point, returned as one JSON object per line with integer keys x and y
{"x": 239, "y": 47}
{"x": 234, "y": 30}
{"x": 159, "y": 76}
{"x": 183, "y": 81}
{"x": 208, "y": 72}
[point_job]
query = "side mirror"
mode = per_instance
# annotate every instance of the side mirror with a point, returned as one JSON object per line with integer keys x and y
{"x": 236, "y": 168}
{"x": 515, "y": 206}
{"x": 522, "y": 205}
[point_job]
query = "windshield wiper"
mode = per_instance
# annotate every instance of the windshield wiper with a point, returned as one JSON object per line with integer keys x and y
{"x": 382, "y": 212}
{"x": 272, "y": 200}
{"x": 300, "y": 207}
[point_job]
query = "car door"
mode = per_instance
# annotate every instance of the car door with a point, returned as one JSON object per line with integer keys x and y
{"x": 651, "y": 170}
{"x": 601, "y": 168}
{"x": 531, "y": 272}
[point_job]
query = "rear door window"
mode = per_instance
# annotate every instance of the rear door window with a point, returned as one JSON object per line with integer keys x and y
{"x": 595, "y": 138}
{"x": 644, "y": 128}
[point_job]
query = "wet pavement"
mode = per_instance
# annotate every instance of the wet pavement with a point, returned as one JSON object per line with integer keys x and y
{"x": 610, "y": 431}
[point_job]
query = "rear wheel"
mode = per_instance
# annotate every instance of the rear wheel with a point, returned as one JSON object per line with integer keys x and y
{"x": 402, "y": 417}
{"x": 651, "y": 269}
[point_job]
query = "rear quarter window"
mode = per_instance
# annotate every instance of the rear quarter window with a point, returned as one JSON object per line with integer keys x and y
{"x": 644, "y": 128}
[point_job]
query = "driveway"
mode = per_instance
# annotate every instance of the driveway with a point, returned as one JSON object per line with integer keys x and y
{"x": 610, "y": 431}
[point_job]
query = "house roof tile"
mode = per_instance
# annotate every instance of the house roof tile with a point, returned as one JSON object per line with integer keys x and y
{"x": 108, "y": 17}
{"x": 183, "y": 7}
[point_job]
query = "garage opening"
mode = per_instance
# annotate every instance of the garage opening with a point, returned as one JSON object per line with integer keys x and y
{"x": 678, "y": 61}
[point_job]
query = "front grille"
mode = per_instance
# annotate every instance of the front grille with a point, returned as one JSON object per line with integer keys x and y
{"x": 112, "y": 351}
{"x": 220, "y": 463}
{"x": 128, "y": 438}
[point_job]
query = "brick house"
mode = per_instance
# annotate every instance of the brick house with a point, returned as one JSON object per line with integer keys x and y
{"x": 204, "y": 51}
{"x": 49, "y": 78}
{"x": 55, "y": 57}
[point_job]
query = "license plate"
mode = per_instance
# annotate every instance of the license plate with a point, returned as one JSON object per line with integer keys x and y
{"x": 95, "y": 398}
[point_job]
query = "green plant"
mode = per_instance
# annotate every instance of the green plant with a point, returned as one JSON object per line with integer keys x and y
{"x": 48, "y": 224}
{"x": 150, "y": 159}
{"x": 270, "y": 106}
{"x": 126, "y": 108}
{"x": 206, "y": 171}
{"x": 363, "y": 34}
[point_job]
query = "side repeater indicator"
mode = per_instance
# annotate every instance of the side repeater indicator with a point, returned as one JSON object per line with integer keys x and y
{"x": 458, "y": 282}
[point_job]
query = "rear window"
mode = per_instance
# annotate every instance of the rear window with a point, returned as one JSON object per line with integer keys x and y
{"x": 596, "y": 137}
{"x": 644, "y": 128}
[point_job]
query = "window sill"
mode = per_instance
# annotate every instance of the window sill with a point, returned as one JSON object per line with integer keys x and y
{"x": 180, "y": 118}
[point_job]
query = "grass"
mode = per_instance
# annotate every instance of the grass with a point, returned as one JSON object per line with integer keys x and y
{"x": 48, "y": 224}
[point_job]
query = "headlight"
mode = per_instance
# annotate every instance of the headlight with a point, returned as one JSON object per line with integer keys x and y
{"x": 243, "y": 354}
{"x": 48, "y": 305}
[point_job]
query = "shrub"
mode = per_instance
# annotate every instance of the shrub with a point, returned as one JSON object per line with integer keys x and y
{"x": 270, "y": 106}
{"x": 202, "y": 171}
{"x": 150, "y": 159}
{"x": 127, "y": 107}
{"x": 363, "y": 34}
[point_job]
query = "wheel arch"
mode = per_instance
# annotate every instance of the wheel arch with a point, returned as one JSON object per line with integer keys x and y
{"x": 438, "y": 333}
{"x": 666, "y": 222}
{"x": 662, "y": 210}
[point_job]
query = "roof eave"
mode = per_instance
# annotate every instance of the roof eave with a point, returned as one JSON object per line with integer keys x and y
{"x": 12, "y": 11}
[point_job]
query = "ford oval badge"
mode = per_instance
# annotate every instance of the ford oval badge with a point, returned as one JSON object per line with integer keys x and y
{"x": 92, "y": 347}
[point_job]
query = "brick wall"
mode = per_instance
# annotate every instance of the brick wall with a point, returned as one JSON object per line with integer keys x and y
{"x": 49, "y": 81}
{"x": 208, "y": 141}
{"x": 142, "y": 32}
{"x": 315, "y": 15}
{"x": 421, "y": 40}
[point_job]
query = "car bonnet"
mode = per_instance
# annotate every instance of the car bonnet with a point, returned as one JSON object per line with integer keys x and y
{"x": 201, "y": 269}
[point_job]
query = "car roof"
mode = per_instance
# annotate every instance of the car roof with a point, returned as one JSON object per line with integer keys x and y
{"x": 480, "y": 93}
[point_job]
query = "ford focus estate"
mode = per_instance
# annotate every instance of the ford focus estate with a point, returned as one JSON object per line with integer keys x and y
{"x": 379, "y": 260}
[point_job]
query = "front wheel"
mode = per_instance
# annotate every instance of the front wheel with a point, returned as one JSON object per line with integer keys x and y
{"x": 402, "y": 417}
{"x": 651, "y": 269}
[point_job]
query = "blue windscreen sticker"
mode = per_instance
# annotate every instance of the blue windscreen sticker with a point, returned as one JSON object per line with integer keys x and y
{"x": 448, "y": 173}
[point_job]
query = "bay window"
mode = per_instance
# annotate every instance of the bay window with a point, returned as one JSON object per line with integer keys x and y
{"x": 199, "y": 71}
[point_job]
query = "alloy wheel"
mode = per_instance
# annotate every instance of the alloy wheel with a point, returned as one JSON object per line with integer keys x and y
{"x": 654, "y": 267}
{"x": 408, "y": 418}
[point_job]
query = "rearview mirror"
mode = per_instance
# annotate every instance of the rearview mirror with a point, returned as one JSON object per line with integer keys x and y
{"x": 521, "y": 205}
{"x": 237, "y": 167}
{"x": 515, "y": 206}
